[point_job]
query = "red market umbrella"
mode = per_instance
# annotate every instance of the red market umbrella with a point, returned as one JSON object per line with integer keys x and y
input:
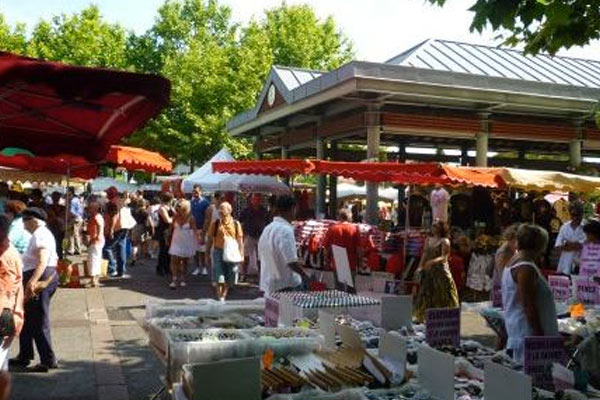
{"x": 51, "y": 108}
{"x": 134, "y": 158}
{"x": 73, "y": 166}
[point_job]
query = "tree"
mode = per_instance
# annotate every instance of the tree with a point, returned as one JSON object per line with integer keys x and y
{"x": 12, "y": 39}
{"x": 298, "y": 38}
{"x": 217, "y": 68}
{"x": 541, "y": 25}
{"x": 81, "y": 39}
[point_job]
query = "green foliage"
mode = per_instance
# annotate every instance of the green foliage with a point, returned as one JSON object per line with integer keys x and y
{"x": 217, "y": 68}
{"x": 80, "y": 39}
{"x": 542, "y": 25}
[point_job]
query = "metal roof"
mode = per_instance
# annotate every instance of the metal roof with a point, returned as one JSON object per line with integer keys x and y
{"x": 451, "y": 56}
{"x": 294, "y": 77}
{"x": 459, "y": 70}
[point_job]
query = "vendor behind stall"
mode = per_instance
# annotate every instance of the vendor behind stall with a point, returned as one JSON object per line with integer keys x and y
{"x": 346, "y": 235}
{"x": 527, "y": 299}
{"x": 570, "y": 239}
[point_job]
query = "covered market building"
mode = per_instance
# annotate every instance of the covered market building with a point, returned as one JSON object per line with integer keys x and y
{"x": 462, "y": 103}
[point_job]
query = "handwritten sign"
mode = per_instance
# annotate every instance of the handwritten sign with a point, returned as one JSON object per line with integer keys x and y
{"x": 588, "y": 291}
{"x": 497, "y": 295}
{"x": 540, "y": 353}
{"x": 590, "y": 260}
{"x": 271, "y": 312}
{"x": 442, "y": 327}
{"x": 560, "y": 286}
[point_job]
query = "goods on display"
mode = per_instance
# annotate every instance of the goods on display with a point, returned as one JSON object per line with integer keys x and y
{"x": 326, "y": 299}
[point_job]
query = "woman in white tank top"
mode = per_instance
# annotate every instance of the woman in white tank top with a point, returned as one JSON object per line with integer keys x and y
{"x": 529, "y": 308}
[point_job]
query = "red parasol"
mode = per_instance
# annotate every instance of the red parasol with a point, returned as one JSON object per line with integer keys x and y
{"x": 75, "y": 166}
{"x": 52, "y": 108}
{"x": 134, "y": 158}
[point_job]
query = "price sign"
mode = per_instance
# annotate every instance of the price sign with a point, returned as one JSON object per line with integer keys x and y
{"x": 590, "y": 260}
{"x": 442, "y": 327}
{"x": 560, "y": 286}
{"x": 588, "y": 291}
{"x": 540, "y": 353}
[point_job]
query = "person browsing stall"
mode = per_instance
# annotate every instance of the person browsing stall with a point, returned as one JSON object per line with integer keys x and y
{"x": 224, "y": 228}
{"x": 11, "y": 302}
{"x": 199, "y": 205}
{"x": 570, "y": 239}
{"x": 280, "y": 267}
{"x": 40, "y": 282}
{"x": 529, "y": 307}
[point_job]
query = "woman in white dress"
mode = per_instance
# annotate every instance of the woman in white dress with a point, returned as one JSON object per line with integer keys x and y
{"x": 184, "y": 242}
{"x": 95, "y": 231}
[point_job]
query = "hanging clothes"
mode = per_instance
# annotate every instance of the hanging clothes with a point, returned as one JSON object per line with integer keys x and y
{"x": 462, "y": 211}
{"x": 438, "y": 200}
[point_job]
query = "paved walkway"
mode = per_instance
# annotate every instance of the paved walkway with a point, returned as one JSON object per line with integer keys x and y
{"x": 102, "y": 348}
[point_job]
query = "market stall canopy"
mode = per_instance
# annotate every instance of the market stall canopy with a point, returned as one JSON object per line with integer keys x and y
{"x": 205, "y": 177}
{"x": 253, "y": 184}
{"x": 473, "y": 176}
{"x": 265, "y": 167}
{"x": 345, "y": 190}
{"x": 13, "y": 175}
{"x": 64, "y": 165}
{"x": 525, "y": 179}
{"x": 51, "y": 108}
{"x": 103, "y": 183}
{"x": 134, "y": 158}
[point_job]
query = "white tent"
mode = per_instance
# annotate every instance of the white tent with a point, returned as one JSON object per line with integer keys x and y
{"x": 349, "y": 190}
{"x": 253, "y": 183}
{"x": 205, "y": 177}
{"x": 103, "y": 183}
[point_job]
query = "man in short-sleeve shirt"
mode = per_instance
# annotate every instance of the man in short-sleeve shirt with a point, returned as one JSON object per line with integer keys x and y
{"x": 280, "y": 268}
{"x": 570, "y": 239}
{"x": 199, "y": 205}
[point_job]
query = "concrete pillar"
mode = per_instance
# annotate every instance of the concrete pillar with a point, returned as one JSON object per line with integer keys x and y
{"x": 482, "y": 142}
{"x": 373, "y": 137}
{"x": 320, "y": 197}
{"x": 575, "y": 145}
{"x": 575, "y": 158}
{"x": 284, "y": 153}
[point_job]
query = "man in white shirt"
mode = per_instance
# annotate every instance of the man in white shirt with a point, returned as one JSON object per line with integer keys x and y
{"x": 40, "y": 282}
{"x": 280, "y": 268}
{"x": 570, "y": 239}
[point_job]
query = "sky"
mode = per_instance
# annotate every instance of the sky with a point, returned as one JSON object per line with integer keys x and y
{"x": 379, "y": 29}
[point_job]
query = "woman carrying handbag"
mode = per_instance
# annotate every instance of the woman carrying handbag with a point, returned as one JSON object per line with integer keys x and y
{"x": 11, "y": 302}
{"x": 226, "y": 239}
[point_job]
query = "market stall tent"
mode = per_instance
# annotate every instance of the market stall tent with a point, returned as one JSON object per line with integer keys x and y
{"x": 205, "y": 177}
{"x": 135, "y": 158}
{"x": 525, "y": 179}
{"x": 103, "y": 183}
{"x": 253, "y": 183}
{"x": 61, "y": 164}
{"x": 265, "y": 167}
{"x": 345, "y": 190}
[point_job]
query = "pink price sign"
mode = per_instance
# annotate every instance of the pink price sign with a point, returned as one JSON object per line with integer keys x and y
{"x": 588, "y": 291}
{"x": 560, "y": 286}
{"x": 590, "y": 260}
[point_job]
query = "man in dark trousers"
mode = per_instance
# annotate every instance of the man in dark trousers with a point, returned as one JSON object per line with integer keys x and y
{"x": 40, "y": 282}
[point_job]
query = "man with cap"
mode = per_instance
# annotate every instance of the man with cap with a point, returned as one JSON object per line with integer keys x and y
{"x": 40, "y": 282}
